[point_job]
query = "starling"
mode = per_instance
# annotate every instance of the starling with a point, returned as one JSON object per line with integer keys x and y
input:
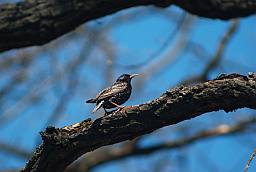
{"x": 115, "y": 95}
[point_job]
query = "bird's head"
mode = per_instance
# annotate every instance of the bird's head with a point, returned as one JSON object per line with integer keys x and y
{"x": 126, "y": 77}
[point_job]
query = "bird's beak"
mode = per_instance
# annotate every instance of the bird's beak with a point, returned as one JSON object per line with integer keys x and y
{"x": 133, "y": 75}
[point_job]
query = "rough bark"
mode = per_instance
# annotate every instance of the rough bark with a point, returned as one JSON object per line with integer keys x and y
{"x": 129, "y": 150}
{"x": 36, "y": 22}
{"x": 61, "y": 146}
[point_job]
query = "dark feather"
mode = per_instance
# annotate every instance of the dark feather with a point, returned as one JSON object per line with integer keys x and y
{"x": 91, "y": 101}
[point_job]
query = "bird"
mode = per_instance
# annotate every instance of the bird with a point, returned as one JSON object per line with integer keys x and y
{"x": 115, "y": 95}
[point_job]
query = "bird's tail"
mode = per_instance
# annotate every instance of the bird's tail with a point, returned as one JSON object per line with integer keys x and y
{"x": 91, "y": 101}
{"x": 97, "y": 107}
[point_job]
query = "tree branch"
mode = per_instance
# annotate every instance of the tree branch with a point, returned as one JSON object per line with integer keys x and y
{"x": 103, "y": 156}
{"x": 36, "y": 22}
{"x": 61, "y": 146}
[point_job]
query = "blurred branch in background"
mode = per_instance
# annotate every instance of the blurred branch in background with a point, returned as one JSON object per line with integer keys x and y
{"x": 103, "y": 156}
{"x": 216, "y": 59}
{"x": 35, "y": 93}
{"x": 174, "y": 51}
{"x": 14, "y": 150}
{"x": 180, "y": 25}
{"x": 72, "y": 74}
{"x": 250, "y": 160}
{"x": 17, "y": 69}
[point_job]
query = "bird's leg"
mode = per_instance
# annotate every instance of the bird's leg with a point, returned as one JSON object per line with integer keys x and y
{"x": 109, "y": 112}
{"x": 106, "y": 112}
{"x": 116, "y": 104}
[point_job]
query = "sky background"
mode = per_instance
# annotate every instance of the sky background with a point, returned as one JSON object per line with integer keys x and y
{"x": 137, "y": 39}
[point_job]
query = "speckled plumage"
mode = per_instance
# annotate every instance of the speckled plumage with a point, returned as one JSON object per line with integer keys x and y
{"x": 118, "y": 93}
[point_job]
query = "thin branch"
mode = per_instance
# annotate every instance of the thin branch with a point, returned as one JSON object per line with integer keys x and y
{"x": 174, "y": 51}
{"x": 216, "y": 59}
{"x": 71, "y": 70}
{"x": 14, "y": 150}
{"x": 250, "y": 160}
{"x": 61, "y": 146}
{"x": 180, "y": 24}
{"x": 36, "y": 92}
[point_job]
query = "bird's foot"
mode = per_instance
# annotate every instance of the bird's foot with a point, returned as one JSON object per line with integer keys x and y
{"x": 109, "y": 112}
{"x": 106, "y": 112}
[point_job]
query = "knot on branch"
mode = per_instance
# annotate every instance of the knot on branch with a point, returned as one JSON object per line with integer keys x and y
{"x": 62, "y": 136}
{"x": 54, "y": 136}
{"x": 79, "y": 127}
{"x": 252, "y": 75}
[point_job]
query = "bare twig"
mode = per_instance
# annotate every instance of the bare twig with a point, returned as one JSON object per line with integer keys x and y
{"x": 180, "y": 27}
{"x": 173, "y": 52}
{"x": 14, "y": 150}
{"x": 35, "y": 93}
{"x": 250, "y": 160}
{"x": 216, "y": 59}
{"x": 71, "y": 70}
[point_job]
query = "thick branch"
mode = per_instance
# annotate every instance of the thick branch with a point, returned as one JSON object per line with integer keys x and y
{"x": 36, "y": 22}
{"x": 116, "y": 154}
{"x": 62, "y": 146}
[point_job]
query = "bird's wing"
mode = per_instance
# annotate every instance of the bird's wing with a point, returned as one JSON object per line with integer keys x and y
{"x": 110, "y": 91}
